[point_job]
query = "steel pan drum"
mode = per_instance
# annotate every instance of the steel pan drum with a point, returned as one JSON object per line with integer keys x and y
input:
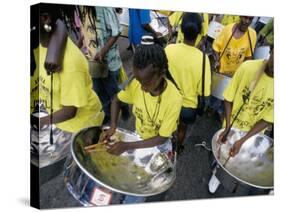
{"x": 42, "y": 152}
{"x": 262, "y": 52}
{"x": 219, "y": 84}
{"x": 141, "y": 172}
{"x": 253, "y": 164}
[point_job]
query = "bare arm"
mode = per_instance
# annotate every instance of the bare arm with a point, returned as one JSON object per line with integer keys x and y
{"x": 114, "y": 114}
{"x": 228, "y": 111}
{"x": 103, "y": 51}
{"x": 56, "y": 47}
{"x": 258, "y": 127}
{"x": 120, "y": 147}
{"x": 66, "y": 113}
{"x": 148, "y": 28}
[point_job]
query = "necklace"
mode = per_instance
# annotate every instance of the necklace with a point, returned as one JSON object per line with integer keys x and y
{"x": 154, "y": 117}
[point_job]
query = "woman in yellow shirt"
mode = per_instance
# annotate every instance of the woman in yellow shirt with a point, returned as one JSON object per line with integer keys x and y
{"x": 156, "y": 101}
{"x": 70, "y": 101}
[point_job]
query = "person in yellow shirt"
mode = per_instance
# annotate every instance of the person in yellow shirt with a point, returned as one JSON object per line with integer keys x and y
{"x": 185, "y": 67}
{"x": 176, "y": 20}
{"x": 155, "y": 99}
{"x": 234, "y": 45}
{"x": 257, "y": 113}
{"x": 69, "y": 100}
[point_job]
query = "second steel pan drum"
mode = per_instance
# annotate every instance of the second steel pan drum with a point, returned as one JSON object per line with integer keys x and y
{"x": 262, "y": 52}
{"x": 42, "y": 152}
{"x": 253, "y": 164}
{"x": 140, "y": 172}
{"x": 219, "y": 84}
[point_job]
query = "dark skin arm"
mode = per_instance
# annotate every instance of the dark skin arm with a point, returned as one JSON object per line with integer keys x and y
{"x": 217, "y": 62}
{"x": 101, "y": 54}
{"x": 228, "y": 109}
{"x": 258, "y": 127}
{"x": 56, "y": 47}
{"x": 64, "y": 114}
{"x": 148, "y": 28}
{"x": 120, "y": 147}
{"x": 248, "y": 58}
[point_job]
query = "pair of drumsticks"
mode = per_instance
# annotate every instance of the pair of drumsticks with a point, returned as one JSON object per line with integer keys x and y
{"x": 92, "y": 148}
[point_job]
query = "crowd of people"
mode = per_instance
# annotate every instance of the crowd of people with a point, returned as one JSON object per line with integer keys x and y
{"x": 77, "y": 74}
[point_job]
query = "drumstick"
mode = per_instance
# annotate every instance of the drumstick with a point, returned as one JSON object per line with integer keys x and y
{"x": 226, "y": 161}
{"x": 95, "y": 150}
{"x": 93, "y": 146}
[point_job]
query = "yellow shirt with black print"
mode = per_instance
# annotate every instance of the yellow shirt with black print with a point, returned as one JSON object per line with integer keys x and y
{"x": 261, "y": 102}
{"x": 155, "y": 115}
{"x": 236, "y": 50}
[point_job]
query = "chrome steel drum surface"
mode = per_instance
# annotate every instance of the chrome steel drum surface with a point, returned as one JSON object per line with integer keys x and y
{"x": 253, "y": 164}
{"x": 219, "y": 84}
{"x": 42, "y": 152}
{"x": 262, "y": 52}
{"x": 141, "y": 172}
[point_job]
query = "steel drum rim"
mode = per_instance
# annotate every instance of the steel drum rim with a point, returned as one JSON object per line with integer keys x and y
{"x": 237, "y": 178}
{"x": 97, "y": 180}
{"x": 51, "y": 161}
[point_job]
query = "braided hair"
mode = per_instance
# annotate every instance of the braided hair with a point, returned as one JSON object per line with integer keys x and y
{"x": 149, "y": 52}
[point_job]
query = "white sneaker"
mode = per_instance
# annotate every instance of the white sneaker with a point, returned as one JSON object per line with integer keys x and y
{"x": 213, "y": 184}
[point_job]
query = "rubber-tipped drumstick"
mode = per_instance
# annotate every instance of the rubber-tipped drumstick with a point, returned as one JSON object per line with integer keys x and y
{"x": 95, "y": 150}
{"x": 93, "y": 146}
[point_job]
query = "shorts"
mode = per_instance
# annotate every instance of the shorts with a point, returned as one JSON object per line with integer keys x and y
{"x": 188, "y": 115}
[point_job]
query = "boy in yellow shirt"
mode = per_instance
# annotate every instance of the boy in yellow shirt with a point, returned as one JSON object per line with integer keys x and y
{"x": 185, "y": 67}
{"x": 234, "y": 45}
{"x": 257, "y": 113}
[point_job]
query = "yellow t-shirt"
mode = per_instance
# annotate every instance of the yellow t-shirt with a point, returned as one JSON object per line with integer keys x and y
{"x": 176, "y": 19}
{"x": 154, "y": 115}
{"x": 71, "y": 87}
{"x": 185, "y": 66}
{"x": 261, "y": 103}
{"x": 236, "y": 50}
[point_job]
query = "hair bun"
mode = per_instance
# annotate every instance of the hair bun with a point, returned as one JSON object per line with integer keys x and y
{"x": 147, "y": 40}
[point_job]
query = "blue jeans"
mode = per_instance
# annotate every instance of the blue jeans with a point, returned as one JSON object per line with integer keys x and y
{"x": 106, "y": 89}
